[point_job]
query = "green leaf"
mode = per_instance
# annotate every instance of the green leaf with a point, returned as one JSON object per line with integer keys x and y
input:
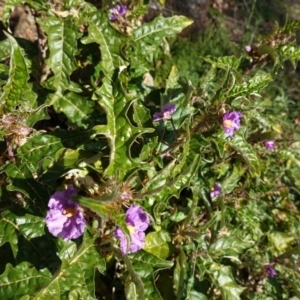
{"x": 252, "y": 86}
{"x": 150, "y": 290}
{"x": 163, "y": 185}
{"x": 280, "y": 241}
{"x": 62, "y": 42}
{"x": 291, "y": 52}
{"x": 96, "y": 34}
{"x": 119, "y": 131}
{"x": 180, "y": 273}
{"x": 156, "y": 243}
{"x": 290, "y": 27}
{"x": 110, "y": 40}
{"x": 16, "y": 86}
{"x": 76, "y": 107}
{"x": 239, "y": 144}
{"x": 98, "y": 206}
{"x": 142, "y": 267}
{"x": 145, "y": 263}
{"x": 13, "y": 225}
{"x": 4, "y": 49}
{"x": 77, "y": 270}
{"x": 22, "y": 280}
{"x": 230, "y": 246}
{"x": 160, "y": 27}
{"x": 172, "y": 81}
{"x": 230, "y": 182}
{"x": 44, "y": 148}
{"x": 20, "y": 178}
{"x": 224, "y": 62}
{"x": 147, "y": 38}
{"x": 223, "y": 279}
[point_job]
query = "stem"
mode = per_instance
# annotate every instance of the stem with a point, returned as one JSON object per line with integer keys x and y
{"x": 222, "y": 208}
{"x": 172, "y": 122}
{"x": 252, "y": 12}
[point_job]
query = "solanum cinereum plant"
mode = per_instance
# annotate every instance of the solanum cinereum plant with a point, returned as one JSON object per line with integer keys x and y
{"x": 128, "y": 189}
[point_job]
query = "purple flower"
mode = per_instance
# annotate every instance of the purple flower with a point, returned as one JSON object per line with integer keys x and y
{"x": 165, "y": 113}
{"x": 216, "y": 190}
{"x": 137, "y": 222}
{"x": 269, "y": 145}
{"x": 64, "y": 218}
{"x": 271, "y": 271}
{"x": 117, "y": 12}
{"x": 231, "y": 122}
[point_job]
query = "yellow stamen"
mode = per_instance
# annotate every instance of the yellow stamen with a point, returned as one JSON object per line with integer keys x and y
{"x": 227, "y": 123}
{"x": 131, "y": 229}
{"x": 70, "y": 212}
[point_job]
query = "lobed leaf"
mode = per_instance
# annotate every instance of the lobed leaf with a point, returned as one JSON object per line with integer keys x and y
{"x": 16, "y": 86}
{"x": 222, "y": 276}
{"x": 239, "y": 144}
{"x": 156, "y": 243}
{"x": 76, "y": 273}
{"x": 230, "y": 246}
{"x": 22, "y": 280}
{"x": 119, "y": 131}
{"x": 62, "y": 42}
{"x": 160, "y": 27}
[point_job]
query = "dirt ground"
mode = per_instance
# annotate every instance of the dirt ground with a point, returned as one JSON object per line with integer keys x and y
{"x": 237, "y": 14}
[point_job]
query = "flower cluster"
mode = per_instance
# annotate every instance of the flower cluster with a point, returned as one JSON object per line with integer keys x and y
{"x": 64, "y": 218}
{"x": 137, "y": 222}
{"x": 216, "y": 190}
{"x": 117, "y": 12}
{"x": 231, "y": 122}
{"x": 165, "y": 113}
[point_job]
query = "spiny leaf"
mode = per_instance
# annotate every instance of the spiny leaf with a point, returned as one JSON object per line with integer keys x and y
{"x": 145, "y": 263}
{"x": 156, "y": 244}
{"x": 160, "y": 27}
{"x": 291, "y": 52}
{"x": 62, "y": 42}
{"x": 246, "y": 151}
{"x": 231, "y": 246}
{"x": 99, "y": 206}
{"x": 22, "y": 280}
{"x": 109, "y": 40}
{"x": 42, "y": 148}
{"x": 4, "y": 49}
{"x": 231, "y": 181}
{"x": 253, "y": 86}
{"x": 96, "y": 34}
{"x": 16, "y": 85}
{"x": 76, "y": 107}
{"x": 163, "y": 185}
{"x": 21, "y": 179}
{"x": 223, "y": 278}
{"x": 119, "y": 130}
{"x": 77, "y": 270}
{"x": 224, "y": 62}
{"x": 12, "y": 225}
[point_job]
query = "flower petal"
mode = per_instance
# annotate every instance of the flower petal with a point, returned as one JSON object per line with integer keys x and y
{"x": 123, "y": 242}
{"x": 137, "y": 241}
{"x": 64, "y": 218}
{"x": 137, "y": 218}
{"x": 231, "y": 122}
